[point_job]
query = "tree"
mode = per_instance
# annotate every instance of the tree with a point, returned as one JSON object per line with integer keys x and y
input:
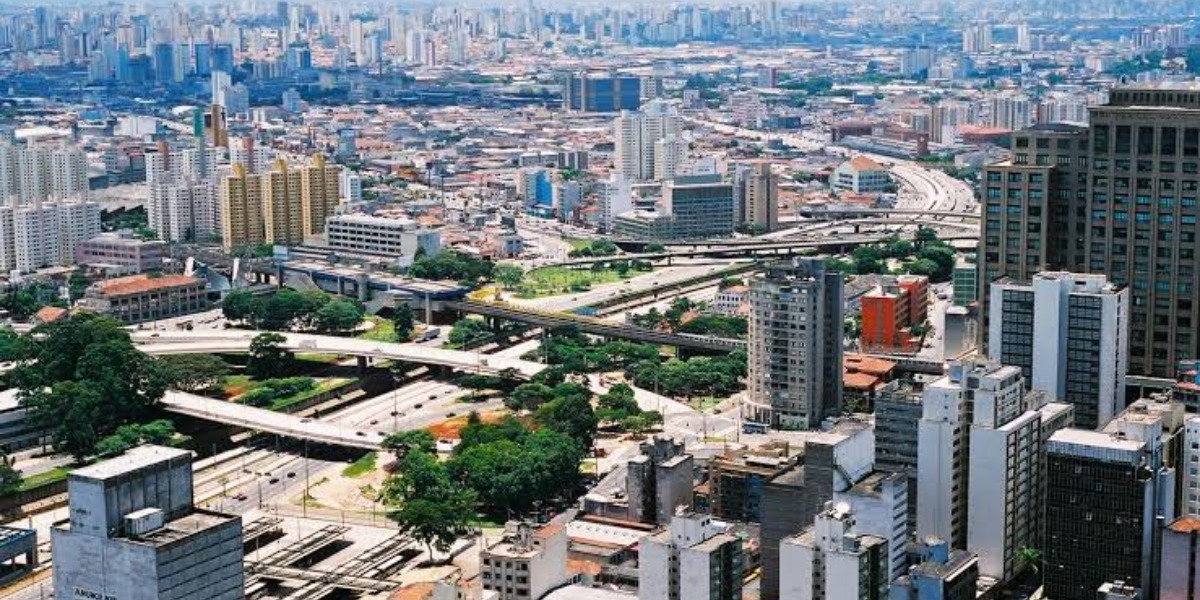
{"x": 468, "y": 331}
{"x": 127, "y": 436}
{"x": 529, "y": 396}
{"x": 402, "y": 322}
{"x": 654, "y": 247}
{"x": 404, "y": 442}
{"x": 510, "y": 276}
{"x": 194, "y": 372}
{"x": 238, "y": 305}
{"x": 570, "y": 414}
{"x": 12, "y": 345}
{"x": 86, "y": 380}
{"x": 10, "y": 478}
{"x": 338, "y": 316}
{"x": 267, "y": 358}
{"x": 924, "y": 235}
{"x": 431, "y": 507}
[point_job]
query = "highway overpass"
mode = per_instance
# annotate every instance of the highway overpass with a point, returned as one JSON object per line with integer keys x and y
{"x": 739, "y": 248}
{"x": 164, "y": 343}
{"x": 842, "y": 212}
{"x": 260, "y": 419}
{"x": 550, "y": 320}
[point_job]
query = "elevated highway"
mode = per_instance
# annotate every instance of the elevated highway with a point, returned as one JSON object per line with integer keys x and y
{"x": 165, "y": 343}
{"x": 550, "y": 320}
{"x": 260, "y": 419}
{"x": 741, "y": 248}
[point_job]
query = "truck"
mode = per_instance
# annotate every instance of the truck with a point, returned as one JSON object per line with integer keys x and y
{"x": 430, "y": 333}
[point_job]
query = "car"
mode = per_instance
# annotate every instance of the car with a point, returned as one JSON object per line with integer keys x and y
{"x": 360, "y": 434}
{"x": 432, "y": 397}
{"x": 418, "y": 406}
{"x": 374, "y": 421}
{"x": 451, "y": 415}
{"x": 291, "y": 474}
{"x": 394, "y": 413}
{"x": 273, "y": 481}
{"x": 241, "y": 497}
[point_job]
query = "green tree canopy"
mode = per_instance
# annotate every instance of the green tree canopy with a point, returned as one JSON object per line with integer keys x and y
{"x": 267, "y": 357}
{"x": 194, "y": 372}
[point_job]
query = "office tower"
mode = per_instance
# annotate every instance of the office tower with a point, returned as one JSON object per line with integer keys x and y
{"x": 832, "y": 561}
{"x": 525, "y": 562}
{"x": 692, "y": 559}
{"x": 242, "y": 214}
{"x": 164, "y": 62}
{"x": 134, "y": 533}
{"x": 585, "y": 92}
{"x": 1180, "y": 565}
{"x": 860, "y": 175}
{"x": 38, "y": 172}
{"x": 1068, "y": 333}
{"x": 762, "y": 198}
{"x": 184, "y": 211}
{"x": 347, "y": 145}
{"x": 534, "y": 187}
{"x": 943, "y": 441}
{"x": 947, "y": 116}
{"x": 289, "y": 101}
{"x": 636, "y": 134}
{"x": 795, "y": 347}
{"x": 897, "y": 416}
{"x": 940, "y": 574}
{"x": 1108, "y": 495}
{"x": 319, "y": 198}
{"x": 833, "y": 462}
{"x": 566, "y": 198}
{"x": 691, "y": 207}
{"x": 1117, "y": 197}
{"x": 1006, "y": 483}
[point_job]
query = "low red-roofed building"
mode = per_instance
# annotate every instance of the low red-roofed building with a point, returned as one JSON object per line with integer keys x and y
{"x": 49, "y": 314}
{"x": 141, "y": 298}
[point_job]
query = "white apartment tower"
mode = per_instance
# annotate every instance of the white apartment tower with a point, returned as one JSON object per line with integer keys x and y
{"x": 1069, "y": 334}
{"x": 943, "y": 439}
{"x": 636, "y": 135}
{"x": 693, "y": 559}
{"x": 183, "y": 211}
{"x": 40, "y": 172}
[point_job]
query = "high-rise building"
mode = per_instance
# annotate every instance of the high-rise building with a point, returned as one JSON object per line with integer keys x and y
{"x": 255, "y": 158}
{"x": 1180, "y": 565}
{"x": 186, "y": 211}
{"x": 943, "y": 446}
{"x": 637, "y": 153}
{"x": 977, "y": 38}
{"x": 1117, "y": 197}
{"x": 37, "y": 172}
{"x": 832, "y": 561}
{"x": 880, "y": 505}
{"x": 1108, "y": 495}
{"x": 897, "y": 416}
{"x": 39, "y": 236}
{"x": 585, "y": 92}
{"x": 795, "y": 348}
{"x": 282, "y": 205}
{"x": 319, "y": 195}
{"x": 1005, "y": 491}
{"x": 134, "y": 533}
{"x": 762, "y": 198}
{"x": 692, "y": 559}
{"x": 242, "y": 218}
{"x": 1068, "y": 333}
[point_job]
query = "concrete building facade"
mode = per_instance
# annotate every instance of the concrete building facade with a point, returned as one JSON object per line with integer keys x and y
{"x": 831, "y": 560}
{"x": 133, "y": 533}
{"x": 692, "y": 559}
{"x": 1069, "y": 334}
{"x": 526, "y": 562}
{"x": 795, "y": 348}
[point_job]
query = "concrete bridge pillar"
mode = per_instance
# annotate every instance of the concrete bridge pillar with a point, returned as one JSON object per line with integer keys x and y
{"x": 363, "y": 363}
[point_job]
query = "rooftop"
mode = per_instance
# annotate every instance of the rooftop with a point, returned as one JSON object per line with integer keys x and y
{"x": 140, "y": 284}
{"x": 184, "y": 527}
{"x": 137, "y": 458}
{"x": 862, "y": 163}
{"x": 1185, "y": 524}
